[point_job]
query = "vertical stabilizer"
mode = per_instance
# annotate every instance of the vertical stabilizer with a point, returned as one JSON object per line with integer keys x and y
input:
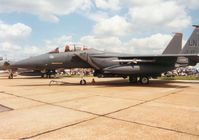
{"x": 192, "y": 44}
{"x": 175, "y": 45}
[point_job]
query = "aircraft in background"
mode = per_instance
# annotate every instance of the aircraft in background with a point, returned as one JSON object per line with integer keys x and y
{"x": 177, "y": 49}
{"x": 107, "y": 64}
{"x": 191, "y": 47}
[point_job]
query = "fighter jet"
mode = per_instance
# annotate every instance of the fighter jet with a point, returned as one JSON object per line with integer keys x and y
{"x": 107, "y": 64}
{"x": 45, "y": 66}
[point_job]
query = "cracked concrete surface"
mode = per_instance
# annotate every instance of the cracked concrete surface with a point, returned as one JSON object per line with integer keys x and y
{"x": 110, "y": 109}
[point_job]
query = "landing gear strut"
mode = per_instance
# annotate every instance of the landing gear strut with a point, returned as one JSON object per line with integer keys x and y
{"x": 11, "y": 75}
{"x": 48, "y": 74}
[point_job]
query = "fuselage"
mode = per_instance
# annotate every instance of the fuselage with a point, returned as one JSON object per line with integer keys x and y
{"x": 102, "y": 62}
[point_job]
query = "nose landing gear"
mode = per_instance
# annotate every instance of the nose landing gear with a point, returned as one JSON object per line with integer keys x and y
{"x": 11, "y": 75}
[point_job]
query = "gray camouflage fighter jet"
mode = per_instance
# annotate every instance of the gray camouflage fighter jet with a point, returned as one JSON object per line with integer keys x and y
{"x": 173, "y": 47}
{"x": 106, "y": 64}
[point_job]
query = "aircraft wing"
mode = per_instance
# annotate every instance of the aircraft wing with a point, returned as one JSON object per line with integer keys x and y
{"x": 190, "y": 56}
{"x": 146, "y": 56}
{"x": 167, "y": 58}
{"x": 147, "y": 59}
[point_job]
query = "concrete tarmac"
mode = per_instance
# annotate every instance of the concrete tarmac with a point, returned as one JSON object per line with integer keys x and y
{"x": 109, "y": 109}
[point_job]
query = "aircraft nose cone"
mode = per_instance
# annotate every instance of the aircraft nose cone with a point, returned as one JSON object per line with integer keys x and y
{"x": 30, "y": 63}
{"x": 35, "y": 62}
{"x": 1, "y": 65}
{"x": 27, "y": 63}
{"x": 20, "y": 64}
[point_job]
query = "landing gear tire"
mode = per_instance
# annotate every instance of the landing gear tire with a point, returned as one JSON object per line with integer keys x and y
{"x": 144, "y": 80}
{"x": 82, "y": 82}
{"x": 132, "y": 79}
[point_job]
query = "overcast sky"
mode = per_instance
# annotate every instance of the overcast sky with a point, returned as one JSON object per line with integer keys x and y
{"x": 29, "y": 28}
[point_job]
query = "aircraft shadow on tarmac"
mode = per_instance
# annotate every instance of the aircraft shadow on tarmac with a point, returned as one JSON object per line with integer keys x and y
{"x": 156, "y": 83}
{"x": 117, "y": 83}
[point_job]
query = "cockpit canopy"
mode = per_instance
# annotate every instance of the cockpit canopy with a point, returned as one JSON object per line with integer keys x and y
{"x": 70, "y": 48}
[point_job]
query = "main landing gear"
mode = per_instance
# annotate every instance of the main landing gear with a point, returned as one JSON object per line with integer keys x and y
{"x": 142, "y": 79}
{"x": 48, "y": 74}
